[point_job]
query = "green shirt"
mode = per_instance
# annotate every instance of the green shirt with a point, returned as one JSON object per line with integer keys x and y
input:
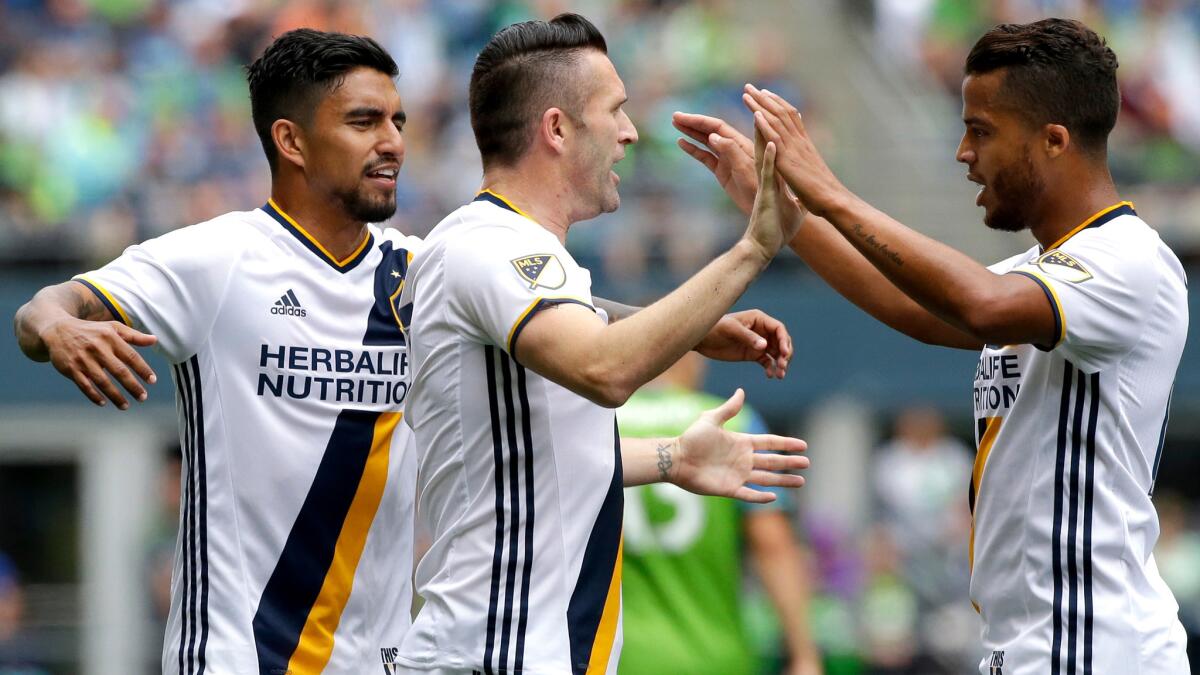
{"x": 682, "y": 573}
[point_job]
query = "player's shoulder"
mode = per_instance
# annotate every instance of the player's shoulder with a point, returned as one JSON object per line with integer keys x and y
{"x": 1124, "y": 242}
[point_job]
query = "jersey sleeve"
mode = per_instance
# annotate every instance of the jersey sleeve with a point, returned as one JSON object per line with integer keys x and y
{"x": 1099, "y": 292}
{"x": 499, "y": 278}
{"x": 169, "y": 287}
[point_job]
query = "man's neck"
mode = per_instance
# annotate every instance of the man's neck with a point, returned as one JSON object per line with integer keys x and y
{"x": 1066, "y": 209}
{"x": 327, "y": 224}
{"x": 543, "y": 201}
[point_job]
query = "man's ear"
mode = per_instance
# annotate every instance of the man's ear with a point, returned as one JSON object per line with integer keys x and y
{"x": 1056, "y": 140}
{"x": 554, "y": 128}
{"x": 289, "y": 141}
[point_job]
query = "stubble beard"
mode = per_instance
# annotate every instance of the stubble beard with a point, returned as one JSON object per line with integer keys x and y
{"x": 366, "y": 208}
{"x": 1018, "y": 190}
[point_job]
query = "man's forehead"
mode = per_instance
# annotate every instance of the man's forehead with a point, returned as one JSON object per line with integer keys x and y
{"x": 981, "y": 94}
{"x": 365, "y": 87}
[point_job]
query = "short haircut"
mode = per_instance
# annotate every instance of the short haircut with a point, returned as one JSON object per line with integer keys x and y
{"x": 301, "y": 67}
{"x": 524, "y": 70}
{"x": 1056, "y": 71}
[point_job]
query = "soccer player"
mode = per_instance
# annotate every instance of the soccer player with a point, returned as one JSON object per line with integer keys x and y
{"x": 295, "y": 545}
{"x": 1080, "y": 336}
{"x": 681, "y": 575}
{"x": 515, "y": 372}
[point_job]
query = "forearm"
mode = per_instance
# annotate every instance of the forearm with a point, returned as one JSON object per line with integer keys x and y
{"x": 823, "y": 248}
{"x": 48, "y": 306}
{"x": 944, "y": 281}
{"x": 648, "y": 460}
{"x": 782, "y": 568}
{"x": 637, "y": 349}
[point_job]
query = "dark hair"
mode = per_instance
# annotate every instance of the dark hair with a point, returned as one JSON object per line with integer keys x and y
{"x": 298, "y": 69}
{"x": 523, "y": 70}
{"x": 1057, "y": 71}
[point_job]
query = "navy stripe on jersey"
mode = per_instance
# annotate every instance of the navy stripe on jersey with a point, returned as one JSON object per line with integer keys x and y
{"x": 1056, "y": 554}
{"x": 1162, "y": 439}
{"x": 509, "y": 536}
{"x": 1089, "y": 483}
{"x": 1072, "y": 531}
{"x": 489, "y": 197}
{"x": 1122, "y": 210}
{"x": 112, "y": 309}
{"x": 498, "y": 467}
{"x": 312, "y": 246}
{"x": 384, "y": 321}
{"x": 304, "y": 562}
{"x": 527, "y": 573}
{"x": 514, "y": 507}
{"x": 595, "y": 574}
{"x": 1073, "y": 493}
{"x": 544, "y": 303}
{"x": 1054, "y": 309}
{"x": 193, "y": 638}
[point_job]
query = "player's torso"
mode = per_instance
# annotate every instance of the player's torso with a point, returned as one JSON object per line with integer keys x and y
{"x": 509, "y": 463}
{"x": 681, "y": 577}
{"x": 296, "y": 532}
{"x": 1063, "y": 525}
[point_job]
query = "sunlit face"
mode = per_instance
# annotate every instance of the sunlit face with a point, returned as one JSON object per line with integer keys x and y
{"x": 354, "y": 148}
{"x": 603, "y": 132}
{"x": 998, "y": 149}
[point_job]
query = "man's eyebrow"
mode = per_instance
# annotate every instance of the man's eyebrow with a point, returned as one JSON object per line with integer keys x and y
{"x": 400, "y": 117}
{"x": 365, "y": 111}
{"x": 975, "y": 120}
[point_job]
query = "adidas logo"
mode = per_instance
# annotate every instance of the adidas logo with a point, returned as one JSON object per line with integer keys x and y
{"x": 289, "y": 305}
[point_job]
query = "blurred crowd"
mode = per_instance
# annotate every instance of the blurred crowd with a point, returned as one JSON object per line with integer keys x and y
{"x": 1154, "y": 152}
{"x": 123, "y": 119}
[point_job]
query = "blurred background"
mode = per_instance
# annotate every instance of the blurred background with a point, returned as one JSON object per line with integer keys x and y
{"x": 123, "y": 119}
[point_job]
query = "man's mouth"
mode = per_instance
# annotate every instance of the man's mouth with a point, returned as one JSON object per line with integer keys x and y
{"x": 385, "y": 175}
{"x": 982, "y": 187}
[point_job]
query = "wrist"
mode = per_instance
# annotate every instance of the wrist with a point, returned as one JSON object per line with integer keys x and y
{"x": 749, "y": 252}
{"x": 670, "y": 456}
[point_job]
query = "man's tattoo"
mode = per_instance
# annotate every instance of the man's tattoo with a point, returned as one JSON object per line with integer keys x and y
{"x": 878, "y": 245}
{"x": 664, "y": 460}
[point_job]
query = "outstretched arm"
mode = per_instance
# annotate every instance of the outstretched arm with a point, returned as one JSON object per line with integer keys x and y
{"x": 991, "y": 308}
{"x": 67, "y": 325}
{"x": 708, "y": 460}
{"x": 729, "y": 155}
{"x": 607, "y": 363}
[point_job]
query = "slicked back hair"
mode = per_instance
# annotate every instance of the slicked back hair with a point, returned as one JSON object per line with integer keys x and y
{"x": 301, "y": 67}
{"x": 1056, "y": 71}
{"x": 525, "y": 69}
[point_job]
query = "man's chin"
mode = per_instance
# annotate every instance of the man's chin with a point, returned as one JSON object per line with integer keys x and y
{"x": 1003, "y": 222}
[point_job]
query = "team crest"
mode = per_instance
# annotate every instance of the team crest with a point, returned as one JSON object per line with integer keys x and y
{"x": 541, "y": 270}
{"x": 1062, "y": 266}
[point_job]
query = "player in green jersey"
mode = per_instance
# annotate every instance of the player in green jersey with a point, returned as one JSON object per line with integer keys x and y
{"x": 682, "y": 571}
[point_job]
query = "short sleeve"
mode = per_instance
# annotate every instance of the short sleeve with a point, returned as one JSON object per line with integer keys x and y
{"x": 1100, "y": 293}
{"x": 498, "y": 278}
{"x": 169, "y": 287}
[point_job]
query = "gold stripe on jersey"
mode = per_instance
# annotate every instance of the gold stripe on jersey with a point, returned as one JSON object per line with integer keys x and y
{"x": 1058, "y": 306}
{"x": 990, "y": 431}
{"x": 313, "y": 240}
{"x": 316, "y": 638}
{"x": 396, "y": 294}
{"x": 606, "y": 632}
{"x": 109, "y": 296}
{"x": 512, "y": 331}
{"x": 1087, "y": 222}
{"x": 506, "y": 200}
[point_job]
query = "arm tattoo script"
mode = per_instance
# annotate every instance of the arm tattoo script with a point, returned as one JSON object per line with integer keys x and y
{"x": 874, "y": 243}
{"x": 664, "y": 460}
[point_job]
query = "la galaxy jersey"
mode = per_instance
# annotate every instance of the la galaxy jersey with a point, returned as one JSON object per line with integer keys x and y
{"x": 1069, "y": 441}
{"x": 520, "y": 479}
{"x": 295, "y": 546}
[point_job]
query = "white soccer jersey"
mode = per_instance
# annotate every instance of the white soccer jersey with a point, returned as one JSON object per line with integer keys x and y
{"x": 520, "y": 479}
{"x": 1069, "y": 440}
{"x": 295, "y": 545}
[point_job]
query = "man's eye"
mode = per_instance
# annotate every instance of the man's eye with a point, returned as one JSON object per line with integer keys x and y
{"x": 361, "y": 124}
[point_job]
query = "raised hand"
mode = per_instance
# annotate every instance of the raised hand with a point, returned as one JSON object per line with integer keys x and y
{"x": 799, "y": 162}
{"x": 775, "y": 219}
{"x": 726, "y": 152}
{"x": 713, "y": 461}
{"x": 90, "y": 353}
{"x": 751, "y": 335}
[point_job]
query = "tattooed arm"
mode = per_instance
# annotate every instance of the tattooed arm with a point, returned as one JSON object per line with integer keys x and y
{"x": 708, "y": 460}
{"x": 991, "y": 308}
